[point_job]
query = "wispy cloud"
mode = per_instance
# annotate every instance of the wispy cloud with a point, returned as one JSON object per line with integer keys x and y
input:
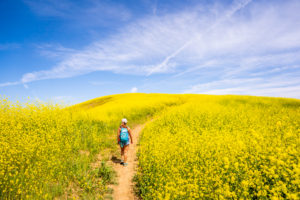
{"x": 54, "y": 50}
{"x": 287, "y": 85}
{"x": 9, "y": 84}
{"x": 244, "y": 41}
{"x": 236, "y": 7}
{"x": 25, "y": 86}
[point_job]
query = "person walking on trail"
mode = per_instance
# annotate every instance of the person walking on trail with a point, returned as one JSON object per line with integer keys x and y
{"x": 124, "y": 133}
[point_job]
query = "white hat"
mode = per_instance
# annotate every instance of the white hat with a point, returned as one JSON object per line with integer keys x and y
{"x": 124, "y": 120}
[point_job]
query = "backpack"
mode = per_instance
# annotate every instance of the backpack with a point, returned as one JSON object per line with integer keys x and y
{"x": 124, "y": 135}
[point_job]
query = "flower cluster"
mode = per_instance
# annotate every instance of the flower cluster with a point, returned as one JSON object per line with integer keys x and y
{"x": 45, "y": 148}
{"x": 222, "y": 147}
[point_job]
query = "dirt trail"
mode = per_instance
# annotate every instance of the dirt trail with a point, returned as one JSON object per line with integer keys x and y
{"x": 124, "y": 189}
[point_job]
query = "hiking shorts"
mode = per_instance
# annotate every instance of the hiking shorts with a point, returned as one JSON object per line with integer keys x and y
{"x": 122, "y": 144}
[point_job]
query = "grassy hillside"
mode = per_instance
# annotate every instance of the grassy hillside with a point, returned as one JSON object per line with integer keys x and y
{"x": 46, "y": 150}
{"x": 189, "y": 151}
{"x": 222, "y": 147}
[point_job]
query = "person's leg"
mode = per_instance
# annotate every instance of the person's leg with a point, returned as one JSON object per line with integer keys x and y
{"x": 122, "y": 153}
{"x": 125, "y": 150}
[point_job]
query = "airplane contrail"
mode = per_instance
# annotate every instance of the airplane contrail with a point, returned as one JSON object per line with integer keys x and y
{"x": 231, "y": 12}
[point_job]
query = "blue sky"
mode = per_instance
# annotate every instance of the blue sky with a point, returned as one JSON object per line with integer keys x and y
{"x": 71, "y": 51}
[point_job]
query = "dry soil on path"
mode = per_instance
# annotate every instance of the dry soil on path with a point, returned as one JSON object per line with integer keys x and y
{"x": 124, "y": 188}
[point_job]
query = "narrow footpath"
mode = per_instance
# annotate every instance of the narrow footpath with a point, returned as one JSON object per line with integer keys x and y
{"x": 124, "y": 188}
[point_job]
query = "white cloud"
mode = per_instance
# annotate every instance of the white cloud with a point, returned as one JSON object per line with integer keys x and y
{"x": 236, "y": 7}
{"x": 134, "y": 90}
{"x": 54, "y": 50}
{"x": 25, "y": 86}
{"x": 9, "y": 84}
{"x": 242, "y": 41}
{"x": 280, "y": 85}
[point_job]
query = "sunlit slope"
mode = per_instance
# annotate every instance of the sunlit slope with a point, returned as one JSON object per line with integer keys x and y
{"x": 133, "y": 106}
{"x": 45, "y": 148}
{"x": 223, "y": 147}
{"x": 198, "y": 146}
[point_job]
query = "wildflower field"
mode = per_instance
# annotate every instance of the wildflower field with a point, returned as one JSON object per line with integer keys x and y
{"x": 222, "y": 147}
{"x": 196, "y": 147}
{"x": 46, "y": 149}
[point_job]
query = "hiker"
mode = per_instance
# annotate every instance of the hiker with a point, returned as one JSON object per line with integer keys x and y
{"x": 124, "y": 133}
